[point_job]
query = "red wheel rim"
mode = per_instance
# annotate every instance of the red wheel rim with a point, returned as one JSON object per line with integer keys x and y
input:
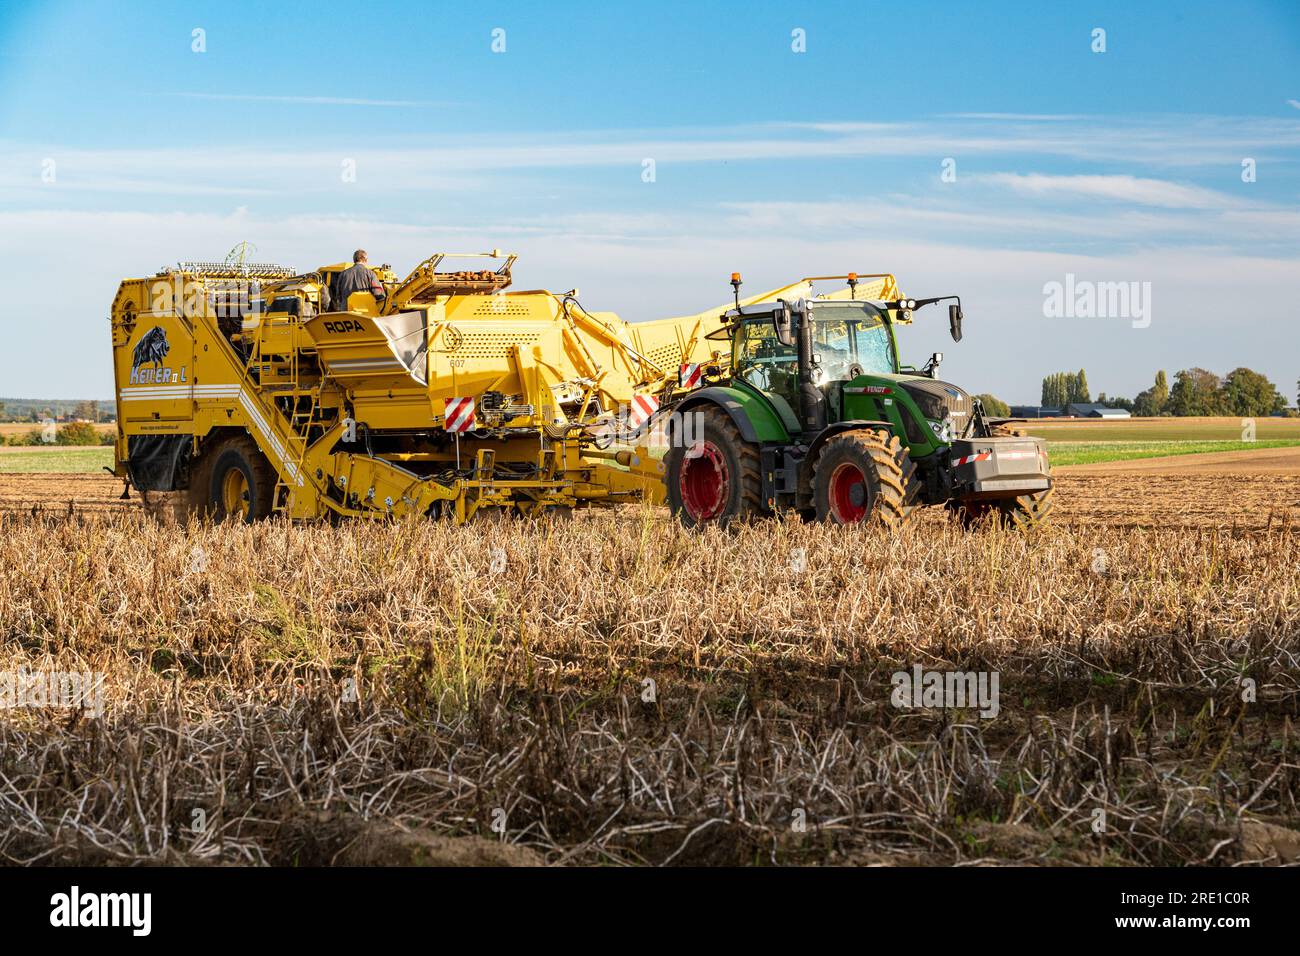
{"x": 703, "y": 482}
{"x": 849, "y": 494}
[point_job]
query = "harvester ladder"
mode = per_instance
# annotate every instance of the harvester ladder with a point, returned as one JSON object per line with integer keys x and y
{"x": 300, "y": 425}
{"x": 286, "y": 447}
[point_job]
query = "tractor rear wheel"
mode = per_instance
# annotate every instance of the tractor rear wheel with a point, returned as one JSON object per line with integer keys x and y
{"x": 233, "y": 479}
{"x": 863, "y": 476}
{"x": 717, "y": 478}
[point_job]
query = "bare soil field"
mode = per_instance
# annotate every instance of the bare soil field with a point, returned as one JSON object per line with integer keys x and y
{"x": 1249, "y": 490}
{"x": 55, "y": 492}
{"x": 1238, "y": 503}
{"x": 1253, "y": 490}
{"x": 1263, "y": 461}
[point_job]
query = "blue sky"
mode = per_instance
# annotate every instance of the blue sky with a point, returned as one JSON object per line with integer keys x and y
{"x": 1123, "y": 165}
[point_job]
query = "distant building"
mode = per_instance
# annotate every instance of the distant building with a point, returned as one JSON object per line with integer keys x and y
{"x": 1092, "y": 410}
{"x": 1034, "y": 411}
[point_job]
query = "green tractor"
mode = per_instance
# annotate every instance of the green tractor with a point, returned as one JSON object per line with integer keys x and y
{"x": 814, "y": 412}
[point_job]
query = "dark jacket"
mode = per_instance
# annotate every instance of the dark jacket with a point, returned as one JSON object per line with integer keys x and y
{"x": 356, "y": 279}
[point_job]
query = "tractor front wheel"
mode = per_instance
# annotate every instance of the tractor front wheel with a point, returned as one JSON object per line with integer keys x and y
{"x": 1023, "y": 513}
{"x": 715, "y": 478}
{"x": 863, "y": 476}
{"x": 1027, "y": 511}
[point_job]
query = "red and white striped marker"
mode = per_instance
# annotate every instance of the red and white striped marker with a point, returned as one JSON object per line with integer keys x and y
{"x": 690, "y": 375}
{"x": 971, "y": 459}
{"x": 458, "y": 414}
{"x": 643, "y": 406}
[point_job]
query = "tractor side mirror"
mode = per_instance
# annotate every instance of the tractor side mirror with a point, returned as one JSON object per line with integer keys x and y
{"x": 784, "y": 324}
{"x": 954, "y": 321}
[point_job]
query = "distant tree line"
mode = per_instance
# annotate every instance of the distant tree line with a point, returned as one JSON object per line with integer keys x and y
{"x": 73, "y": 433}
{"x": 1065, "y": 388}
{"x": 64, "y": 410}
{"x": 1242, "y": 392}
{"x": 1196, "y": 391}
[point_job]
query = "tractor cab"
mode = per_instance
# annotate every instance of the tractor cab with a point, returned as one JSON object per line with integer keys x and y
{"x": 800, "y": 355}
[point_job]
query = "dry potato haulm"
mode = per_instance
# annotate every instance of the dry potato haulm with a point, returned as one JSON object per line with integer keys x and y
{"x": 411, "y": 674}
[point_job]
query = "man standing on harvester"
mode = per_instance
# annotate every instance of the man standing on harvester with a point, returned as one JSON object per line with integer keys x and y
{"x": 359, "y": 278}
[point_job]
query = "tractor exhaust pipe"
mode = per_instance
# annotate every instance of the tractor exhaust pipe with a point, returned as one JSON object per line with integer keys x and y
{"x": 793, "y": 327}
{"x": 812, "y": 403}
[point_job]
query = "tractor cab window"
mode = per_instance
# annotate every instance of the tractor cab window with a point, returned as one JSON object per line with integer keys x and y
{"x": 850, "y": 338}
{"x": 760, "y": 359}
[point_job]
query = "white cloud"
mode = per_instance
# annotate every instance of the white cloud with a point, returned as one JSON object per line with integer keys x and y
{"x": 1130, "y": 189}
{"x": 1063, "y": 219}
{"x": 442, "y": 165}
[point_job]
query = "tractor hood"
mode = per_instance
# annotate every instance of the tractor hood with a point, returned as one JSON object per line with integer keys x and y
{"x": 934, "y": 398}
{"x": 938, "y": 400}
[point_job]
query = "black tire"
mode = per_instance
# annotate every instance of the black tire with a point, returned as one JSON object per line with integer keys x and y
{"x": 911, "y": 478}
{"x": 864, "y": 476}
{"x": 497, "y": 514}
{"x": 1023, "y": 513}
{"x": 1027, "y": 511}
{"x": 716, "y": 479}
{"x": 233, "y": 470}
{"x": 971, "y": 513}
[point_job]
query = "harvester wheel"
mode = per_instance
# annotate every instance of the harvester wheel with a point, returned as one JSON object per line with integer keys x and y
{"x": 442, "y": 509}
{"x": 862, "y": 476}
{"x": 233, "y": 479}
{"x": 495, "y": 514}
{"x": 717, "y": 478}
